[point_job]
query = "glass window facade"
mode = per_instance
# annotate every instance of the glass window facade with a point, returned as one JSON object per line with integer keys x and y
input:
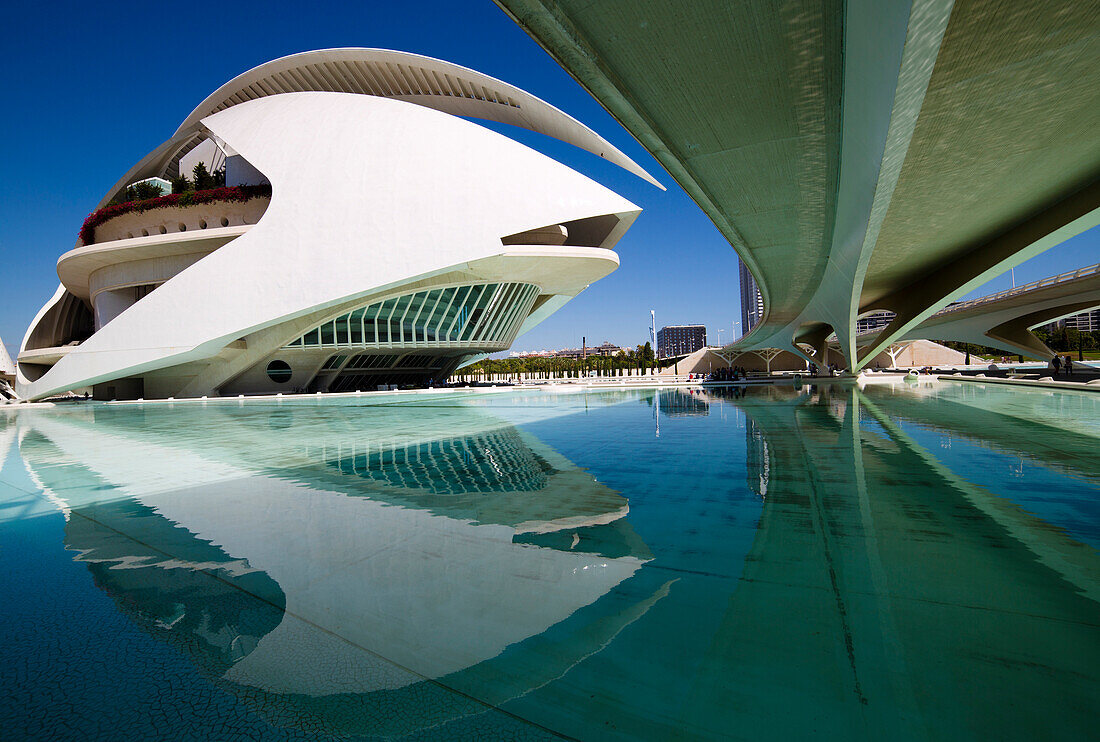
{"x": 489, "y": 314}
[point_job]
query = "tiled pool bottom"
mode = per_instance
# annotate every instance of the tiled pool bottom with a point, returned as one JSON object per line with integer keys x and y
{"x": 885, "y": 563}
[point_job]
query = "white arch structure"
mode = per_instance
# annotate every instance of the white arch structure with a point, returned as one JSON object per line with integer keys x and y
{"x": 379, "y": 191}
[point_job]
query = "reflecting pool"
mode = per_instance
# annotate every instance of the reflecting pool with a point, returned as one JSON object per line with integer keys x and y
{"x": 886, "y": 562}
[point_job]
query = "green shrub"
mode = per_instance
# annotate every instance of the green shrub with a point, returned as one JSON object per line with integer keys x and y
{"x": 181, "y": 184}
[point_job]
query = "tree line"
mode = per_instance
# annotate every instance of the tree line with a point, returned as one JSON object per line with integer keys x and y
{"x": 640, "y": 358}
{"x": 1066, "y": 339}
{"x": 1061, "y": 340}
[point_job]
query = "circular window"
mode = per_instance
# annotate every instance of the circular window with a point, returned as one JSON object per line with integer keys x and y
{"x": 225, "y": 222}
{"x": 278, "y": 371}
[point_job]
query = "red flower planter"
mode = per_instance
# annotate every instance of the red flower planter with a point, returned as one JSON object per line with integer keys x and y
{"x": 239, "y": 194}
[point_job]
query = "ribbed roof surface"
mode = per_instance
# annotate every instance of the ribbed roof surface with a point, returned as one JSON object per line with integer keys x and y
{"x": 413, "y": 78}
{"x": 417, "y": 79}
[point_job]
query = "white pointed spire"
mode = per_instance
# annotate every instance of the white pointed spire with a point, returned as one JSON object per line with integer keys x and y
{"x": 7, "y": 368}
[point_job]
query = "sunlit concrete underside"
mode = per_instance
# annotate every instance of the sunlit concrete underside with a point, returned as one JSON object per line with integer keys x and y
{"x": 1006, "y": 322}
{"x": 857, "y": 155}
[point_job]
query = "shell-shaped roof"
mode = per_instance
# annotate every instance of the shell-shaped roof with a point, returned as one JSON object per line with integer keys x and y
{"x": 425, "y": 81}
{"x": 414, "y": 78}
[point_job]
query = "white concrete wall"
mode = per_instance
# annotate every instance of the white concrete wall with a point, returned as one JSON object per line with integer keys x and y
{"x": 239, "y": 171}
{"x": 921, "y": 353}
{"x": 7, "y": 368}
{"x": 139, "y": 272}
{"x": 422, "y": 192}
{"x": 304, "y": 365}
{"x": 110, "y": 304}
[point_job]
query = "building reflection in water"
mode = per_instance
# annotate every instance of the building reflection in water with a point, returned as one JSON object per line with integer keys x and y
{"x": 370, "y": 575}
{"x": 910, "y": 580}
{"x": 757, "y": 460}
{"x": 698, "y": 402}
{"x": 344, "y": 586}
{"x": 683, "y": 402}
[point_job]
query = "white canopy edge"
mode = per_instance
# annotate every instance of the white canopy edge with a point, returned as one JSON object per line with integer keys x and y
{"x": 414, "y": 78}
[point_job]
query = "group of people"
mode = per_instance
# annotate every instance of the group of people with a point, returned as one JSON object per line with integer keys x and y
{"x": 831, "y": 370}
{"x": 1062, "y": 363}
{"x": 734, "y": 373}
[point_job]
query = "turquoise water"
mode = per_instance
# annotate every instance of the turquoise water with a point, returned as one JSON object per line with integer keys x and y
{"x": 910, "y": 562}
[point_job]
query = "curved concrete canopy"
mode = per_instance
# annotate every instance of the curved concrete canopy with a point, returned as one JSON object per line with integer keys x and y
{"x": 858, "y": 155}
{"x": 1005, "y": 320}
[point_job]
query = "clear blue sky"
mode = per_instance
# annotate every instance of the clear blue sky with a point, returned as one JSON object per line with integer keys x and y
{"x": 90, "y": 88}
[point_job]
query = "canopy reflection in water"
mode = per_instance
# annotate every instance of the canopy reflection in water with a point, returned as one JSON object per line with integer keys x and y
{"x": 392, "y": 571}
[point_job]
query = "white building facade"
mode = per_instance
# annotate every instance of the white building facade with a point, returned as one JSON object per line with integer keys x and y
{"x": 7, "y": 374}
{"x": 370, "y": 235}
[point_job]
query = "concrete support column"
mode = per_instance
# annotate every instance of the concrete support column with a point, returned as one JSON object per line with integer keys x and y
{"x": 110, "y": 304}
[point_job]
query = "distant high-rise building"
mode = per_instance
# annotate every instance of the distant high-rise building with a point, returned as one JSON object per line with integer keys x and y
{"x": 875, "y": 321}
{"x": 1084, "y": 322}
{"x": 679, "y": 340}
{"x": 752, "y": 303}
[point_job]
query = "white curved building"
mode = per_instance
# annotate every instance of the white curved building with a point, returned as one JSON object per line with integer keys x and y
{"x": 377, "y": 237}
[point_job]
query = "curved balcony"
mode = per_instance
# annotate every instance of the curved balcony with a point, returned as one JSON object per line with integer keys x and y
{"x": 147, "y": 242}
{"x": 176, "y": 213}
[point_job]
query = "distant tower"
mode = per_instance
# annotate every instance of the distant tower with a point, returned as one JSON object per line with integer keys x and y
{"x": 752, "y": 303}
{"x": 653, "y": 330}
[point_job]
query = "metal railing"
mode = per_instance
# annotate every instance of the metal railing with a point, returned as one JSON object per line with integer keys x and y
{"x": 1088, "y": 270}
{"x": 1041, "y": 283}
